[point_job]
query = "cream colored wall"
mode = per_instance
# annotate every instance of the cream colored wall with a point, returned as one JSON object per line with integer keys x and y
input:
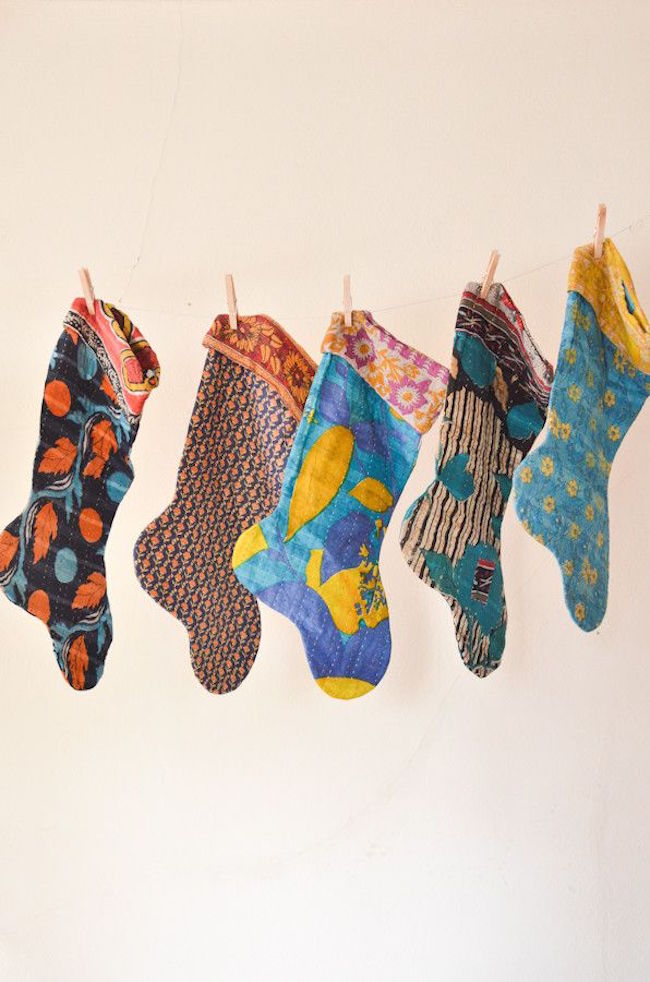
{"x": 443, "y": 827}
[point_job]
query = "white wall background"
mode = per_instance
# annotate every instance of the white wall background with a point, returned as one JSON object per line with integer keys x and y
{"x": 443, "y": 827}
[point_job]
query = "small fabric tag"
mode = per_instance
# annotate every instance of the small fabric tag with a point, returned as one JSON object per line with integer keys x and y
{"x": 482, "y": 581}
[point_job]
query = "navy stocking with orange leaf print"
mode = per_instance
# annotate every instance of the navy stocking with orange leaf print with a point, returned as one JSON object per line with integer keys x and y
{"x": 52, "y": 555}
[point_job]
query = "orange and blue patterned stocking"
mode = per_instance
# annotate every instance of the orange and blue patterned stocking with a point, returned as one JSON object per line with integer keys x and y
{"x": 253, "y": 388}
{"x": 52, "y": 555}
{"x": 316, "y": 558}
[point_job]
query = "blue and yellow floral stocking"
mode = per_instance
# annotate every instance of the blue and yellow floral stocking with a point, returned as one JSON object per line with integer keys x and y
{"x": 496, "y": 405}
{"x": 315, "y": 559}
{"x": 601, "y": 384}
{"x": 52, "y": 555}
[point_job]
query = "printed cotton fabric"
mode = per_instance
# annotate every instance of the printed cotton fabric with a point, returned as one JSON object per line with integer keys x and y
{"x": 496, "y": 405}
{"x": 254, "y": 384}
{"x": 52, "y": 555}
{"x": 600, "y": 387}
{"x": 316, "y": 558}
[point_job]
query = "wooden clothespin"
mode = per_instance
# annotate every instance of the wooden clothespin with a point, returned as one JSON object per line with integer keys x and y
{"x": 347, "y": 301}
{"x": 488, "y": 279}
{"x": 87, "y": 290}
{"x": 599, "y": 234}
{"x": 232, "y": 301}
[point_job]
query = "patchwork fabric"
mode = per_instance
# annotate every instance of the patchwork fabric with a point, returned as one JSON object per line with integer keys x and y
{"x": 254, "y": 384}
{"x": 316, "y": 558}
{"x": 600, "y": 387}
{"x": 52, "y": 555}
{"x": 496, "y": 405}
{"x": 411, "y": 383}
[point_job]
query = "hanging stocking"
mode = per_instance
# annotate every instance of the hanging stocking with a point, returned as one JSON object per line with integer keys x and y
{"x": 315, "y": 559}
{"x": 496, "y": 404}
{"x": 252, "y": 391}
{"x": 603, "y": 379}
{"x": 52, "y": 555}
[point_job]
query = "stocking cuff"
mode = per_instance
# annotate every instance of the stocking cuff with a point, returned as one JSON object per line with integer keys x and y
{"x": 607, "y": 286}
{"x": 126, "y": 357}
{"x": 500, "y": 325}
{"x": 261, "y": 345}
{"x": 413, "y": 384}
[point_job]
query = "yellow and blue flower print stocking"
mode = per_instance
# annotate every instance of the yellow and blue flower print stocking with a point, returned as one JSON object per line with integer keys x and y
{"x": 603, "y": 379}
{"x": 496, "y": 405}
{"x": 315, "y": 558}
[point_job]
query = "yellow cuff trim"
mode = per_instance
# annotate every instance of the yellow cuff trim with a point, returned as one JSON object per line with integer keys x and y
{"x": 607, "y": 286}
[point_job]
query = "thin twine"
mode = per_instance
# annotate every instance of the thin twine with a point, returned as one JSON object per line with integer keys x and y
{"x": 415, "y": 303}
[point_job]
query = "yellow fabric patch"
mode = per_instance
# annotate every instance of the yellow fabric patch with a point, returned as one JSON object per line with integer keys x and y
{"x": 342, "y": 688}
{"x": 373, "y": 494}
{"x": 321, "y": 475}
{"x": 248, "y": 544}
{"x": 600, "y": 282}
{"x": 342, "y": 593}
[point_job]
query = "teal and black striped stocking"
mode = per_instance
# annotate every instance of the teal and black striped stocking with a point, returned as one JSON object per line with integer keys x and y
{"x": 495, "y": 406}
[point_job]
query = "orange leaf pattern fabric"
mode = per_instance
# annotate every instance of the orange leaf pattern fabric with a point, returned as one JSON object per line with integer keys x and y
{"x": 78, "y": 662}
{"x": 46, "y": 526}
{"x": 8, "y": 547}
{"x": 108, "y": 389}
{"x": 52, "y": 554}
{"x": 94, "y": 467}
{"x": 91, "y": 593}
{"x": 103, "y": 439}
{"x": 59, "y": 458}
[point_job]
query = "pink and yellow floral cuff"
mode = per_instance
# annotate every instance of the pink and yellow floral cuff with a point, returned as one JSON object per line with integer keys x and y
{"x": 413, "y": 384}
{"x": 263, "y": 346}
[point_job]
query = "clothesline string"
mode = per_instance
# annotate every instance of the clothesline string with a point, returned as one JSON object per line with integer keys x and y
{"x": 632, "y": 226}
